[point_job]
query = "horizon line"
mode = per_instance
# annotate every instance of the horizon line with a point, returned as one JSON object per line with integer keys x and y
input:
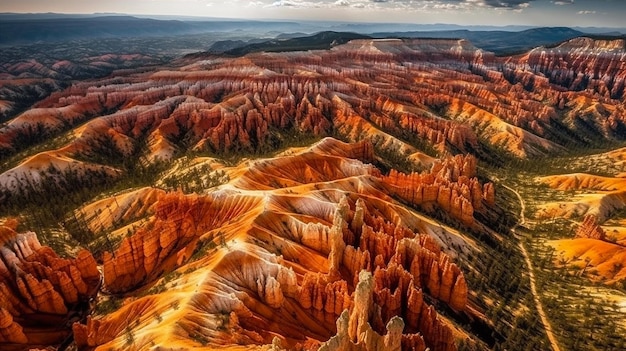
{"x": 217, "y": 18}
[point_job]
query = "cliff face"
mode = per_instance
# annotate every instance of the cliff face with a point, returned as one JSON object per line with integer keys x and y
{"x": 38, "y": 289}
{"x": 451, "y": 184}
{"x": 583, "y": 64}
{"x": 291, "y": 249}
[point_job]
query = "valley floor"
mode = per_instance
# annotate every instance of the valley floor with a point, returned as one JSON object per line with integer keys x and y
{"x": 581, "y": 305}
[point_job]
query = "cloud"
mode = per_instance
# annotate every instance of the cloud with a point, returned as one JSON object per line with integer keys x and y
{"x": 586, "y": 12}
{"x": 446, "y": 6}
{"x": 509, "y": 4}
{"x": 284, "y": 3}
{"x": 416, "y": 5}
{"x": 413, "y": 5}
{"x": 308, "y": 4}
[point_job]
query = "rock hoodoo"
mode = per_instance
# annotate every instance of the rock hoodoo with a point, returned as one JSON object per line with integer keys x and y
{"x": 35, "y": 282}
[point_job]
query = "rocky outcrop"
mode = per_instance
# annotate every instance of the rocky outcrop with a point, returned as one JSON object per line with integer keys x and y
{"x": 590, "y": 228}
{"x": 441, "y": 133}
{"x": 236, "y": 104}
{"x": 277, "y": 252}
{"x": 583, "y": 63}
{"x": 450, "y": 184}
{"x": 254, "y": 104}
{"x": 319, "y": 293}
{"x": 34, "y": 281}
{"x": 355, "y": 331}
{"x": 291, "y": 251}
{"x": 97, "y": 332}
{"x": 179, "y": 220}
{"x": 432, "y": 269}
{"x": 10, "y": 332}
{"x": 404, "y": 270}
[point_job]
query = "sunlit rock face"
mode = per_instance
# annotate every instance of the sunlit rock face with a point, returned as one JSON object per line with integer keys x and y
{"x": 321, "y": 247}
{"x": 583, "y": 64}
{"x": 446, "y": 93}
{"x": 596, "y": 245}
{"x": 294, "y": 242}
{"x": 40, "y": 291}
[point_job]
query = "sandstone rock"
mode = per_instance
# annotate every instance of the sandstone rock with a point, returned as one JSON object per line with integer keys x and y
{"x": 337, "y": 244}
{"x": 448, "y": 184}
{"x": 357, "y": 221}
{"x": 336, "y": 232}
{"x": 240, "y": 104}
{"x": 458, "y": 298}
{"x": 320, "y": 294}
{"x": 179, "y": 219}
{"x": 591, "y": 61}
{"x": 434, "y": 281}
{"x": 271, "y": 292}
{"x": 34, "y": 281}
{"x": 590, "y": 228}
{"x": 354, "y": 328}
{"x": 9, "y": 330}
{"x": 360, "y": 313}
{"x": 489, "y": 194}
{"x": 447, "y": 282}
{"x": 415, "y": 300}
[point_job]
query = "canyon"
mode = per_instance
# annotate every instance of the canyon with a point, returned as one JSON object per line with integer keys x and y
{"x": 341, "y": 199}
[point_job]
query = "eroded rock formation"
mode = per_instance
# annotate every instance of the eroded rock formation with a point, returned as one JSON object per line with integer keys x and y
{"x": 288, "y": 241}
{"x": 179, "y": 221}
{"x": 276, "y": 255}
{"x": 451, "y": 184}
{"x": 355, "y": 332}
{"x": 36, "y": 284}
{"x": 590, "y": 228}
{"x": 373, "y": 89}
{"x": 583, "y": 63}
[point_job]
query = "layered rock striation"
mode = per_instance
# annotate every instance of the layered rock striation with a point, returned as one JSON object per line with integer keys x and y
{"x": 320, "y": 246}
{"x": 583, "y": 64}
{"x": 443, "y": 96}
{"x": 38, "y": 288}
{"x": 451, "y": 184}
{"x": 590, "y": 228}
{"x": 287, "y": 253}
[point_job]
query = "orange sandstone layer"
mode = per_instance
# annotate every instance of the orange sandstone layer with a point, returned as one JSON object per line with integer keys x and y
{"x": 40, "y": 291}
{"x": 306, "y": 250}
{"x": 445, "y": 95}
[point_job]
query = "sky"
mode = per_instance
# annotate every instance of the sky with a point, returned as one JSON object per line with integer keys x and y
{"x": 583, "y": 13}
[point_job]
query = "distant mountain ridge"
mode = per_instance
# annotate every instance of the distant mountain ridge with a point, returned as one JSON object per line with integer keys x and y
{"x": 320, "y": 41}
{"x": 54, "y": 29}
{"x": 19, "y": 29}
{"x": 499, "y": 42}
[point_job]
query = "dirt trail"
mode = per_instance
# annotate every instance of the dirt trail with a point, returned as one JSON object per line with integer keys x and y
{"x": 533, "y": 286}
